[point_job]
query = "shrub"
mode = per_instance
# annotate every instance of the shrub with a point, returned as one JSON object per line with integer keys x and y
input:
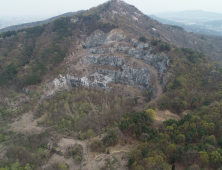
{"x": 151, "y": 113}
{"x": 143, "y": 39}
{"x": 165, "y": 47}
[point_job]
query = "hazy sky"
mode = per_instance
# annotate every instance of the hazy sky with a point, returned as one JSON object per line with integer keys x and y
{"x": 52, "y": 7}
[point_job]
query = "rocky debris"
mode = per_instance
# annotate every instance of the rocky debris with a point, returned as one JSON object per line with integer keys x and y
{"x": 26, "y": 90}
{"x": 142, "y": 45}
{"x": 169, "y": 63}
{"x": 137, "y": 14}
{"x": 74, "y": 20}
{"x": 134, "y": 18}
{"x": 99, "y": 81}
{"x": 60, "y": 82}
{"x": 114, "y": 12}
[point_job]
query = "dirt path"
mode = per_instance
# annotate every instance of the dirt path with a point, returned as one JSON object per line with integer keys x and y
{"x": 110, "y": 154}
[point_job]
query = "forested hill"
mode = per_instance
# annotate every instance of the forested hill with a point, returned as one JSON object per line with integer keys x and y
{"x": 109, "y": 88}
{"x": 37, "y": 23}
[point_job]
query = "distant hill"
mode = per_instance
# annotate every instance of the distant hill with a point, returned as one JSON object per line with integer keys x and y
{"x": 200, "y": 28}
{"x": 32, "y": 24}
{"x": 7, "y": 21}
{"x": 165, "y": 21}
{"x": 216, "y": 23}
{"x": 191, "y": 15}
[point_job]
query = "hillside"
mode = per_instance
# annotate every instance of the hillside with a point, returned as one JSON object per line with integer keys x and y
{"x": 109, "y": 88}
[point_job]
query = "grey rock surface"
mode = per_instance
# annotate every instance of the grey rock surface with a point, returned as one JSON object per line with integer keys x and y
{"x": 127, "y": 74}
{"x": 159, "y": 61}
{"x": 114, "y": 61}
{"x": 97, "y": 38}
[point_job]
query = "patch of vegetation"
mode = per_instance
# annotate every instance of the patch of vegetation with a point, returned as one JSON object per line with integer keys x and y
{"x": 111, "y": 164}
{"x": 193, "y": 86}
{"x": 26, "y": 64}
{"x": 26, "y": 151}
{"x": 195, "y": 137}
{"x": 135, "y": 123}
{"x": 82, "y": 109}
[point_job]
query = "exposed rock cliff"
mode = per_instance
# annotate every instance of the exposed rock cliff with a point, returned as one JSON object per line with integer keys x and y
{"x": 116, "y": 58}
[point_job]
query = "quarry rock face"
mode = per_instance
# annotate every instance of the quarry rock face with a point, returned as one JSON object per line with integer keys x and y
{"x": 108, "y": 61}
